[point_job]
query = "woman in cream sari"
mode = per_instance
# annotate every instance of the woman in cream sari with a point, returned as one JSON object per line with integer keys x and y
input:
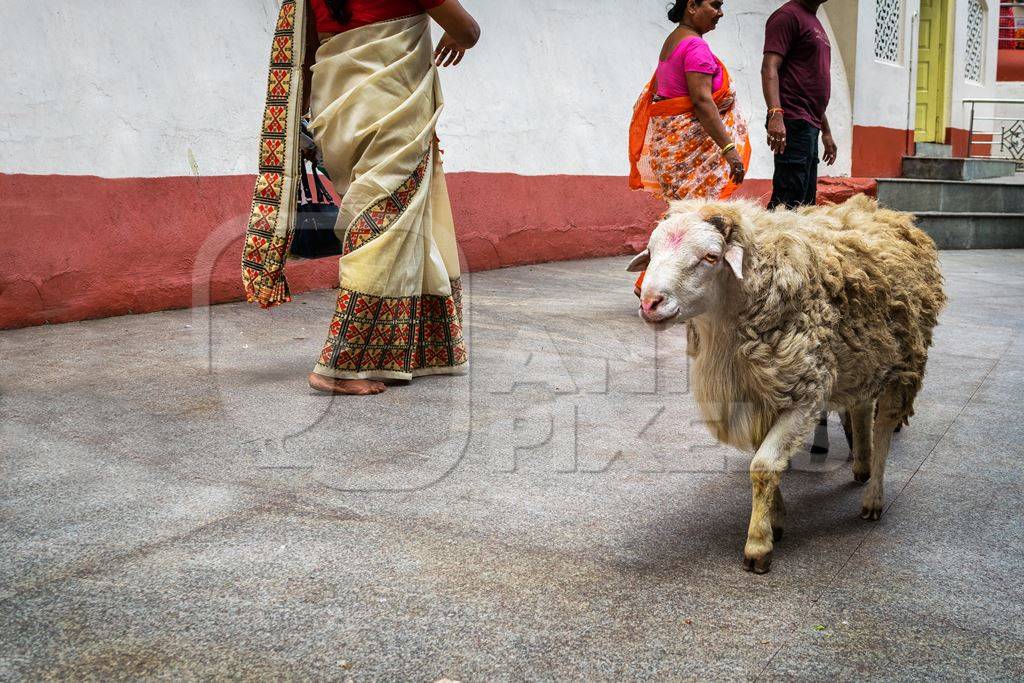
{"x": 375, "y": 99}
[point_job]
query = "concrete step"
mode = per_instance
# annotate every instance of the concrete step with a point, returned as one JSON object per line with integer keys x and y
{"x": 956, "y": 168}
{"x": 999, "y": 195}
{"x": 978, "y": 230}
{"x": 932, "y": 149}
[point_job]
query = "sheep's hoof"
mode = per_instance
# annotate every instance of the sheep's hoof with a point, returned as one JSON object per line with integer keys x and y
{"x": 776, "y": 533}
{"x": 861, "y": 477}
{"x": 871, "y": 513}
{"x": 758, "y": 565}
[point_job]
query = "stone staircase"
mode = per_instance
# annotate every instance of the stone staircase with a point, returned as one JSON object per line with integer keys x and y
{"x": 961, "y": 203}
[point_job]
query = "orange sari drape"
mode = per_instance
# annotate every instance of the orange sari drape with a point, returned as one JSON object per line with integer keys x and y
{"x": 670, "y": 153}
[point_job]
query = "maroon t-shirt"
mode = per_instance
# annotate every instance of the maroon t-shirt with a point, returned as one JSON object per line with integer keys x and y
{"x": 805, "y": 84}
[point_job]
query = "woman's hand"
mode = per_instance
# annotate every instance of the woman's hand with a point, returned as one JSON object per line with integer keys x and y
{"x": 736, "y": 169}
{"x": 448, "y": 52}
{"x": 461, "y": 32}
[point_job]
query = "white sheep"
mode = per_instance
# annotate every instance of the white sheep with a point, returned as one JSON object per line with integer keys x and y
{"x": 790, "y": 311}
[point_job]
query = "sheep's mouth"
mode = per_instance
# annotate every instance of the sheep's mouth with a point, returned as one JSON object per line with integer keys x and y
{"x": 663, "y": 323}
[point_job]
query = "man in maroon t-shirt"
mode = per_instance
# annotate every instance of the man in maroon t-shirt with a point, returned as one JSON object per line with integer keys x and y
{"x": 795, "y": 77}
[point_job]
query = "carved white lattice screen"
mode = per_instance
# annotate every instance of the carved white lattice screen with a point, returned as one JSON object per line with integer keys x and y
{"x": 975, "y": 40}
{"x": 888, "y": 18}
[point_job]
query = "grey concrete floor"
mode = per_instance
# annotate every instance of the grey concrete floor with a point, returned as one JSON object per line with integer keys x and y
{"x": 176, "y": 503}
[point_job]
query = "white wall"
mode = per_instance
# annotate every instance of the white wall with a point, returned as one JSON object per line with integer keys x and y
{"x": 125, "y": 88}
{"x": 1009, "y": 90}
{"x": 553, "y": 82}
{"x": 961, "y": 88}
{"x": 845, "y": 13}
{"x": 885, "y": 92}
{"x": 129, "y": 88}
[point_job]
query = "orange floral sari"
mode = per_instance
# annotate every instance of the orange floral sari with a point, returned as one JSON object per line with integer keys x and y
{"x": 672, "y": 156}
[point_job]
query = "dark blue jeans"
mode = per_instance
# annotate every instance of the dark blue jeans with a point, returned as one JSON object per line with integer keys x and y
{"x": 796, "y": 170}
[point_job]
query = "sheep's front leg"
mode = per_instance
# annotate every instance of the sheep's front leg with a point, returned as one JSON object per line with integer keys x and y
{"x": 766, "y": 513}
{"x": 778, "y": 518}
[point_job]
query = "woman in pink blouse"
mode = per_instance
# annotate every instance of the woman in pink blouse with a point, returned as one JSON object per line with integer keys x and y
{"x": 687, "y": 138}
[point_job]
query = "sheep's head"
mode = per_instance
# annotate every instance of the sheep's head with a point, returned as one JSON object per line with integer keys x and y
{"x": 689, "y": 259}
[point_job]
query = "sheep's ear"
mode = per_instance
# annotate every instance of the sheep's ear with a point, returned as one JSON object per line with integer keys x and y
{"x": 734, "y": 257}
{"x": 639, "y": 261}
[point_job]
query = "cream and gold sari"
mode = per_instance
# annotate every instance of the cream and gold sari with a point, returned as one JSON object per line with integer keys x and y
{"x": 375, "y": 102}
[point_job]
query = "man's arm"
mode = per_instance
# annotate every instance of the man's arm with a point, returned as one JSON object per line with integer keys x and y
{"x": 770, "y": 86}
{"x": 770, "y": 79}
{"x": 830, "y": 149}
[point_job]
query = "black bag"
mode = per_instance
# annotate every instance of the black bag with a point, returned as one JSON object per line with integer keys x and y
{"x": 314, "y": 220}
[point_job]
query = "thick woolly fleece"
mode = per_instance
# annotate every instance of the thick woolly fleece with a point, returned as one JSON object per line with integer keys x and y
{"x": 837, "y": 305}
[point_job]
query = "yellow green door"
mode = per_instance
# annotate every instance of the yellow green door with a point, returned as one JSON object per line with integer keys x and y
{"x": 930, "y": 119}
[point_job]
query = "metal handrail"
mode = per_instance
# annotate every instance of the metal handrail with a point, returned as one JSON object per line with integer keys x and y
{"x": 1015, "y": 147}
{"x": 992, "y": 100}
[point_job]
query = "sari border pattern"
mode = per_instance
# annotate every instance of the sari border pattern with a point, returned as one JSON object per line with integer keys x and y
{"x": 394, "y": 335}
{"x": 266, "y": 244}
{"x": 374, "y": 221}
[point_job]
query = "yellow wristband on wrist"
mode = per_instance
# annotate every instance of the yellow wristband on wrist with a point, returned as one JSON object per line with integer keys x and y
{"x": 728, "y": 148}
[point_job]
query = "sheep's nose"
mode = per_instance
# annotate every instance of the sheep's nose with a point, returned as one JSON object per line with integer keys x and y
{"x": 650, "y": 303}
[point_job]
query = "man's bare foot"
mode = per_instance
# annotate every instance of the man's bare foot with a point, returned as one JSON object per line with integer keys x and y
{"x": 351, "y": 387}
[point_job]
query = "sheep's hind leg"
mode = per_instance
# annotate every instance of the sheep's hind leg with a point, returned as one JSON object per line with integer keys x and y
{"x": 844, "y": 418}
{"x": 885, "y": 423}
{"x": 861, "y": 418}
{"x": 766, "y": 512}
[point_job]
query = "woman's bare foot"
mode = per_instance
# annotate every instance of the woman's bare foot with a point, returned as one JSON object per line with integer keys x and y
{"x": 351, "y": 387}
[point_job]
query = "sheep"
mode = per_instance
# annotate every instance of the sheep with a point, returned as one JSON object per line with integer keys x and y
{"x": 789, "y": 311}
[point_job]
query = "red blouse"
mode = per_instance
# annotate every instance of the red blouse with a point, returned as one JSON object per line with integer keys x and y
{"x": 368, "y": 12}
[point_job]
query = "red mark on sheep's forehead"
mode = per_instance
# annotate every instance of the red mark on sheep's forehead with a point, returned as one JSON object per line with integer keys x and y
{"x": 675, "y": 239}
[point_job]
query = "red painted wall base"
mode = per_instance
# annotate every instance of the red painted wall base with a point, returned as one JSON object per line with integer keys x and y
{"x": 878, "y": 151}
{"x": 80, "y": 247}
{"x": 978, "y": 145}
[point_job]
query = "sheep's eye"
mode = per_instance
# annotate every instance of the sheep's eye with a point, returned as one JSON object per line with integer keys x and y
{"x": 711, "y": 259}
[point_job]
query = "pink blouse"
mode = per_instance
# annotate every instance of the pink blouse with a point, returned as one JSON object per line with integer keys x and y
{"x": 692, "y": 54}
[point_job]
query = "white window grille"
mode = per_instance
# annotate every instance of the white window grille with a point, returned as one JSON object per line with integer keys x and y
{"x": 975, "y": 40}
{"x": 888, "y": 21}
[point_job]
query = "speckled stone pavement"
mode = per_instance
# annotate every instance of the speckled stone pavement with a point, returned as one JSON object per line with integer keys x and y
{"x": 177, "y": 504}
